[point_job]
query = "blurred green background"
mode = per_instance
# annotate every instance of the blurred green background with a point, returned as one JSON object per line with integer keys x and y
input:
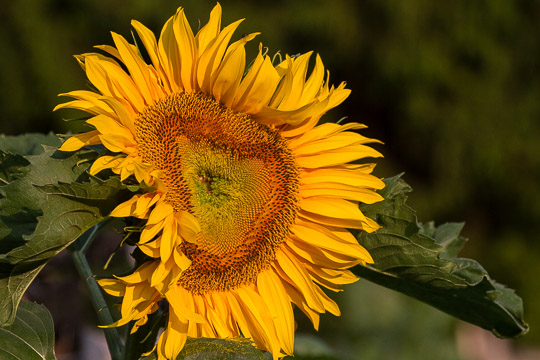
{"x": 452, "y": 88}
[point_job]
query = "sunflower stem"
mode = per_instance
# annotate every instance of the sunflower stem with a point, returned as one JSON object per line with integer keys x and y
{"x": 78, "y": 250}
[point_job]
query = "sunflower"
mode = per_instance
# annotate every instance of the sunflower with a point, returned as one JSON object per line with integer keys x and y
{"x": 249, "y": 201}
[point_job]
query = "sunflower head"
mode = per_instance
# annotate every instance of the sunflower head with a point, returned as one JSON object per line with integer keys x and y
{"x": 249, "y": 201}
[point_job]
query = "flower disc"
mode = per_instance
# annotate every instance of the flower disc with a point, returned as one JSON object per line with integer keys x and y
{"x": 236, "y": 176}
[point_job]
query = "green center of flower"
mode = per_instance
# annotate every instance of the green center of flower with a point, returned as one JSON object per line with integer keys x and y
{"x": 237, "y": 177}
{"x": 227, "y": 192}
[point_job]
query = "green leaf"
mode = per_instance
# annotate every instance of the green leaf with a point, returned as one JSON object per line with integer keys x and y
{"x": 14, "y": 280}
{"x": 22, "y": 197}
{"x": 446, "y": 235}
{"x": 31, "y": 336}
{"x": 28, "y": 144}
{"x": 11, "y": 166}
{"x": 420, "y": 261}
{"x": 47, "y": 206}
{"x": 209, "y": 349}
{"x": 70, "y": 209}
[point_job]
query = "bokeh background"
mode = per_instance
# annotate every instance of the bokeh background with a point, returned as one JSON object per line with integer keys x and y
{"x": 452, "y": 88}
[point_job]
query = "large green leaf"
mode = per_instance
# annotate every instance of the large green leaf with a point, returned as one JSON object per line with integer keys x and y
{"x": 13, "y": 228}
{"x": 31, "y": 336}
{"x": 45, "y": 206}
{"x": 70, "y": 209}
{"x": 420, "y": 261}
{"x": 11, "y": 166}
{"x": 28, "y": 144}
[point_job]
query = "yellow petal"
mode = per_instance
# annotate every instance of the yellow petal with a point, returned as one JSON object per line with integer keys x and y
{"x": 150, "y": 232}
{"x": 182, "y": 303}
{"x": 367, "y": 224}
{"x": 337, "y": 96}
{"x": 144, "y": 203}
{"x": 169, "y": 55}
{"x": 300, "y": 302}
{"x": 329, "y": 304}
{"x": 107, "y": 126}
{"x": 296, "y": 276}
{"x": 343, "y": 176}
{"x": 181, "y": 260}
{"x": 162, "y": 271}
{"x": 168, "y": 241}
{"x": 229, "y": 74}
{"x": 231, "y": 70}
{"x": 330, "y": 207}
{"x": 319, "y": 239}
{"x": 323, "y": 131}
{"x": 293, "y": 94}
{"x": 149, "y": 41}
{"x": 116, "y": 143}
{"x": 274, "y": 296}
{"x": 160, "y": 212}
{"x": 87, "y": 101}
{"x": 258, "y": 318}
{"x": 338, "y": 156}
{"x": 104, "y": 162}
{"x": 341, "y": 191}
{"x": 211, "y": 57}
{"x": 218, "y": 321}
{"x": 334, "y": 276}
{"x": 186, "y": 48}
{"x": 173, "y": 338}
{"x": 259, "y": 93}
{"x": 257, "y": 87}
{"x": 338, "y": 234}
{"x": 127, "y": 208}
{"x": 219, "y": 302}
{"x": 82, "y": 105}
{"x": 313, "y": 84}
{"x": 209, "y": 31}
{"x": 269, "y": 115}
{"x": 112, "y": 81}
{"x": 142, "y": 274}
{"x": 320, "y": 256}
{"x": 286, "y": 83}
{"x": 113, "y": 287}
{"x": 290, "y": 130}
{"x": 333, "y": 142}
{"x": 188, "y": 227}
{"x": 76, "y": 142}
{"x": 137, "y": 68}
{"x": 109, "y": 49}
{"x": 125, "y": 117}
{"x": 143, "y": 172}
{"x": 150, "y": 249}
{"x": 238, "y": 316}
{"x": 82, "y": 59}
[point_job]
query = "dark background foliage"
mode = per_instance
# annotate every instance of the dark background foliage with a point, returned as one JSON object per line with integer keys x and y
{"x": 452, "y": 89}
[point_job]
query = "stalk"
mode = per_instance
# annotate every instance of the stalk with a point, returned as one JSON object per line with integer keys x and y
{"x": 78, "y": 250}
